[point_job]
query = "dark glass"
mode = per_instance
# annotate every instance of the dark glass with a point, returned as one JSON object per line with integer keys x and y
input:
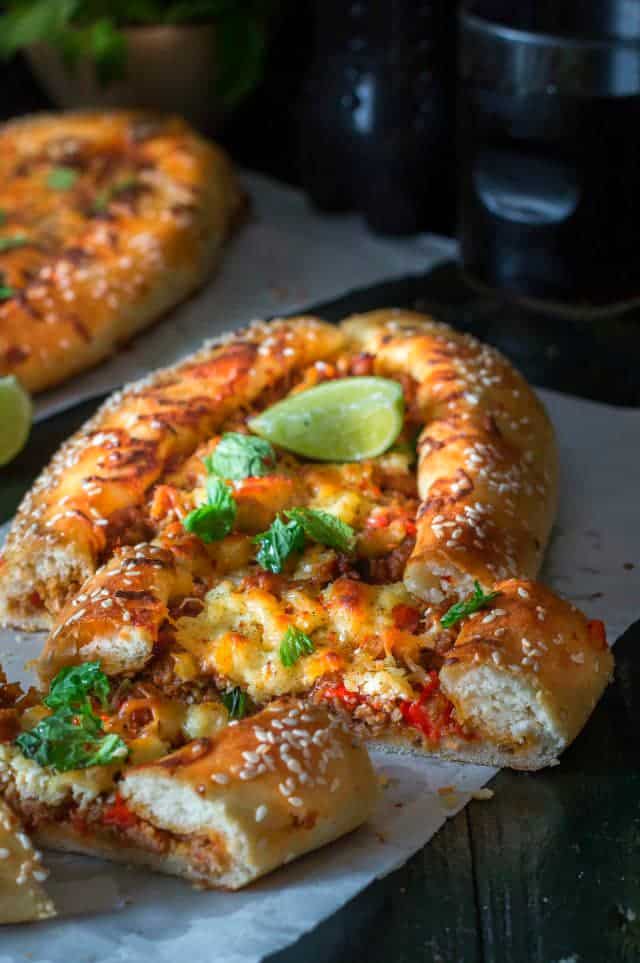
{"x": 376, "y": 127}
{"x": 549, "y": 148}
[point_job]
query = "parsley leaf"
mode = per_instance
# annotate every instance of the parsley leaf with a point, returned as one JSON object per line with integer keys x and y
{"x": 324, "y": 528}
{"x": 235, "y": 702}
{"x": 240, "y": 456}
{"x": 13, "y": 241}
{"x": 461, "y": 610}
{"x": 73, "y": 684}
{"x": 6, "y": 291}
{"x": 3, "y": 217}
{"x": 213, "y": 520}
{"x": 62, "y": 178}
{"x": 294, "y": 645}
{"x": 73, "y": 736}
{"x": 108, "y": 194}
{"x": 71, "y": 739}
{"x": 278, "y": 543}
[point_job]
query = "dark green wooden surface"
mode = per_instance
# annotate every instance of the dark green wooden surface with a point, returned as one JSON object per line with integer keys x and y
{"x": 548, "y": 870}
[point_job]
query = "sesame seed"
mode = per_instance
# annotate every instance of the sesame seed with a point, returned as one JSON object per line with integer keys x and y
{"x": 4, "y": 853}
{"x": 295, "y": 801}
{"x": 221, "y": 778}
{"x": 261, "y": 812}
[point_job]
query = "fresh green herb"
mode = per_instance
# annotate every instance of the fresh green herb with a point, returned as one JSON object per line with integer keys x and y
{"x": 284, "y": 538}
{"x": 104, "y": 197}
{"x": 213, "y": 520}
{"x": 73, "y": 736}
{"x": 294, "y": 645}
{"x": 235, "y": 702}
{"x": 13, "y": 241}
{"x": 71, "y": 739}
{"x": 62, "y": 178}
{"x": 6, "y": 291}
{"x": 74, "y": 684}
{"x": 462, "y": 610}
{"x": 324, "y": 528}
{"x": 240, "y": 456}
{"x": 278, "y": 543}
{"x": 3, "y": 217}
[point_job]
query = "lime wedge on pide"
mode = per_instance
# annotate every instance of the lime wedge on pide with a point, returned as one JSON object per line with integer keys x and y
{"x": 344, "y": 420}
{"x": 15, "y": 418}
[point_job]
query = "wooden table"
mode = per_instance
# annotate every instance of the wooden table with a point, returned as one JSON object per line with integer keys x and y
{"x": 549, "y": 869}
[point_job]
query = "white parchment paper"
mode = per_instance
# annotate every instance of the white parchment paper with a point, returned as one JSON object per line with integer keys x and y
{"x": 285, "y": 258}
{"x": 113, "y": 914}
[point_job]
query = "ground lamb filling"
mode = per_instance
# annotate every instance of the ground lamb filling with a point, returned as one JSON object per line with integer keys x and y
{"x": 430, "y": 717}
{"x": 111, "y": 820}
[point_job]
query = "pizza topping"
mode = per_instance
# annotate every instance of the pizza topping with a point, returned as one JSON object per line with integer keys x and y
{"x": 276, "y": 545}
{"x": 213, "y": 520}
{"x": 462, "y": 610}
{"x": 6, "y": 291}
{"x": 406, "y": 617}
{"x": 324, "y": 528}
{"x": 295, "y": 643}
{"x": 73, "y": 737}
{"x": 348, "y": 419}
{"x": 74, "y": 684}
{"x": 62, "y": 178}
{"x": 239, "y": 456}
{"x": 284, "y": 538}
{"x": 12, "y": 241}
{"x": 126, "y": 185}
{"x": 431, "y": 712}
{"x": 235, "y": 702}
{"x": 117, "y": 813}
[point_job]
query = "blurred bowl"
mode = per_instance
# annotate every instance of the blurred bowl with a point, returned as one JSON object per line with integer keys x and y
{"x": 169, "y": 68}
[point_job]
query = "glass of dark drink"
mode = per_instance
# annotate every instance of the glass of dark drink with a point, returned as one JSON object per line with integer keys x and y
{"x": 549, "y": 148}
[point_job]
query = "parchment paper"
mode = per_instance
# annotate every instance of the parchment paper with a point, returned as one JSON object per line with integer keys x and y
{"x": 117, "y": 915}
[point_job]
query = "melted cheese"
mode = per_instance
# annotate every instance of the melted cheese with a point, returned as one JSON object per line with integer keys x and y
{"x": 41, "y": 783}
{"x": 351, "y": 624}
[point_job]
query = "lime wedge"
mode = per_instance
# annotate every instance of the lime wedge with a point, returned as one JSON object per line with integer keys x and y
{"x": 15, "y": 418}
{"x": 344, "y": 420}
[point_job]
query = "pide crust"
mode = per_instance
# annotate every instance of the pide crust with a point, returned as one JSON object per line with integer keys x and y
{"x": 185, "y": 616}
{"x": 118, "y": 216}
{"x": 220, "y": 811}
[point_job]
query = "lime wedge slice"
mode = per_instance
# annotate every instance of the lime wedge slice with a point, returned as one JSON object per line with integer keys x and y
{"x": 15, "y": 418}
{"x": 344, "y": 420}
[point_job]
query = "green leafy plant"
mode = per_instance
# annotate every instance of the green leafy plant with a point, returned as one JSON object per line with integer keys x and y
{"x": 93, "y": 29}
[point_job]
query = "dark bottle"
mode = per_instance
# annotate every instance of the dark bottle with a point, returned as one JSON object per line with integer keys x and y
{"x": 376, "y": 122}
{"x": 549, "y": 148}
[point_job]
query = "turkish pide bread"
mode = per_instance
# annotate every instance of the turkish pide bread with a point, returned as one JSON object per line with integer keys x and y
{"x": 221, "y": 810}
{"x": 354, "y": 584}
{"x": 107, "y": 220}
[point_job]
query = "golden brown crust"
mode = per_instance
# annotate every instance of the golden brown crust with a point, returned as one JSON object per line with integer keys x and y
{"x": 487, "y": 471}
{"x": 138, "y": 225}
{"x": 538, "y": 654}
{"x": 22, "y": 897}
{"x": 487, "y": 481}
{"x": 86, "y": 499}
{"x": 224, "y": 810}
